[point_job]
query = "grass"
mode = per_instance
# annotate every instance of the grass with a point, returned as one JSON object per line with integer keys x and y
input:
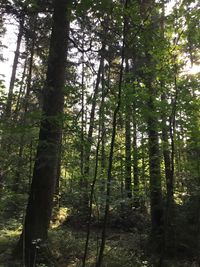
{"x": 9, "y": 235}
{"x": 66, "y": 243}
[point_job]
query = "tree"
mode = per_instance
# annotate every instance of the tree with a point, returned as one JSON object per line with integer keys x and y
{"x": 14, "y": 68}
{"x": 112, "y": 144}
{"x": 149, "y": 13}
{"x": 128, "y": 159}
{"x": 39, "y": 208}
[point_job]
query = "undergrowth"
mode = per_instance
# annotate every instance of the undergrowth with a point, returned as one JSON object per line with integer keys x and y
{"x": 67, "y": 242}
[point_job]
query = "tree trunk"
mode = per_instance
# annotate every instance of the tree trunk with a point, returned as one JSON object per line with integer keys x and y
{"x": 14, "y": 68}
{"x": 143, "y": 171}
{"x": 92, "y": 114}
{"x": 110, "y": 161}
{"x": 82, "y": 147}
{"x": 21, "y": 90}
{"x": 154, "y": 167}
{"x": 135, "y": 164}
{"x": 92, "y": 192}
{"x": 103, "y": 133}
{"x": 128, "y": 186}
{"x": 89, "y": 141}
{"x": 25, "y": 105}
{"x": 147, "y": 13}
{"x": 39, "y": 208}
{"x": 167, "y": 157}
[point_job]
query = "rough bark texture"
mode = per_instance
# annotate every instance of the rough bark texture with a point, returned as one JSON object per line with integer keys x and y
{"x": 39, "y": 208}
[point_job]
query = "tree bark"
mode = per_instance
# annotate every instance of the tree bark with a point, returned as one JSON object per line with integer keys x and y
{"x": 128, "y": 178}
{"x": 103, "y": 133}
{"x": 135, "y": 165}
{"x": 82, "y": 115}
{"x": 39, "y": 208}
{"x": 154, "y": 167}
{"x": 152, "y": 122}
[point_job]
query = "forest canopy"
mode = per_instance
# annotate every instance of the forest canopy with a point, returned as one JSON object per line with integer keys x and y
{"x": 100, "y": 133}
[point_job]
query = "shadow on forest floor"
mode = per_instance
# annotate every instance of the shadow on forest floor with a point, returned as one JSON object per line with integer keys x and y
{"x": 67, "y": 242}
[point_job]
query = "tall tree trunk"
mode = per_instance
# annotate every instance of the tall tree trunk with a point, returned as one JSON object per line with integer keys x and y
{"x": 147, "y": 12}
{"x": 172, "y": 129}
{"x": 143, "y": 174}
{"x": 169, "y": 173}
{"x": 39, "y": 208}
{"x": 89, "y": 140}
{"x": 135, "y": 164}
{"x": 128, "y": 180}
{"x": 167, "y": 155}
{"x": 5, "y": 142}
{"x": 103, "y": 132}
{"x": 25, "y": 108}
{"x": 82, "y": 110}
{"x": 110, "y": 161}
{"x": 154, "y": 167}
{"x": 14, "y": 68}
{"x": 101, "y": 140}
{"x": 92, "y": 114}
{"x": 21, "y": 90}
{"x": 92, "y": 191}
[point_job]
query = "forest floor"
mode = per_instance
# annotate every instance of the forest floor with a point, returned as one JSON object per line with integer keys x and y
{"x": 67, "y": 242}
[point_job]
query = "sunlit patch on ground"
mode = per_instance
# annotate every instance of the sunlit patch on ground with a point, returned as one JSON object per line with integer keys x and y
{"x": 7, "y": 236}
{"x": 59, "y": 217}
{"x": 8, "y": 239}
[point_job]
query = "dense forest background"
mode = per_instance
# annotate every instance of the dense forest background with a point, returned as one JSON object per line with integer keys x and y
{"x": 100, "y": 134}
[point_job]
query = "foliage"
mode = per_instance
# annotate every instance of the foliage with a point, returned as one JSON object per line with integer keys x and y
{"x": 159, "y": 111}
